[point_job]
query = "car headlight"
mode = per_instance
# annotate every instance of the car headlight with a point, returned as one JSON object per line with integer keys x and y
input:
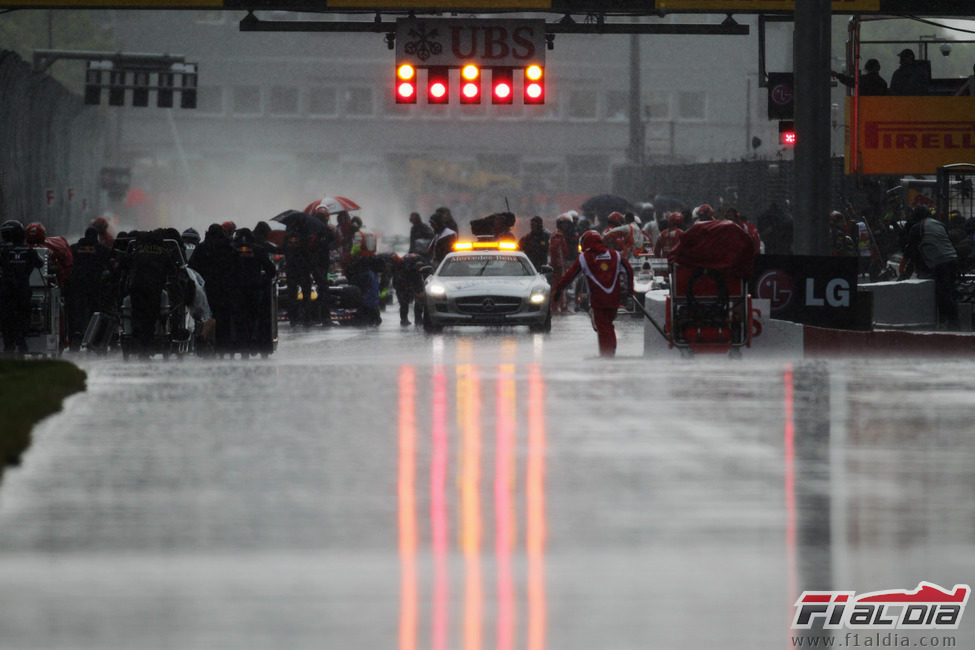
{"x": 537, "y": 297}
{"x": 437, "y": 290}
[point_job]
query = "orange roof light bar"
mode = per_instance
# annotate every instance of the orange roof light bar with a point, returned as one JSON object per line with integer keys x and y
{"x": 486, "y": 245}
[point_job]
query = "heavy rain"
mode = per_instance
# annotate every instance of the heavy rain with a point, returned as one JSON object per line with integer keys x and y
{"x": 337, "y": 476}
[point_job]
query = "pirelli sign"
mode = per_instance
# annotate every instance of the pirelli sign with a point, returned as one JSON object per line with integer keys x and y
{"x": 909, "y": 135}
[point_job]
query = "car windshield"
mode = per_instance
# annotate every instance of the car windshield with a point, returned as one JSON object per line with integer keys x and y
{"x": 485, "y": 266}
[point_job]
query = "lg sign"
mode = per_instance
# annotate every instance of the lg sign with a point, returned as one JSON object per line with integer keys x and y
{"x": 778, "y": 288}
{"x": 780, "y": 95}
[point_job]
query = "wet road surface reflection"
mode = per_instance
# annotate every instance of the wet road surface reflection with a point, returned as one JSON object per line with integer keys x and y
{"x": 481, "y": 489}
{"x": 515, "y": 498}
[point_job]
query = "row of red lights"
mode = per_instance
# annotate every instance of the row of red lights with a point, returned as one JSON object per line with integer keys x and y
{"x": 438, "y": 85}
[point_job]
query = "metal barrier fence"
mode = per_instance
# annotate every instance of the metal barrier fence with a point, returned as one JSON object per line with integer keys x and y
{"x": 51, "y": 150}
{"x": 751, "y": 186}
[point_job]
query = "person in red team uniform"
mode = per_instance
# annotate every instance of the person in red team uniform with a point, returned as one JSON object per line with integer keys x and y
{"x": 670, "y": 235}
{"x": 733, "y": 215}
{"x": 605, "y": 271}
{"x": 558, "y": 256}
{"x": 36, "y": 237}
{"x": 614, "y": 236}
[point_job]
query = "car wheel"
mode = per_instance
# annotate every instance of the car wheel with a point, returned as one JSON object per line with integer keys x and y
{"x": 545, "y": 326}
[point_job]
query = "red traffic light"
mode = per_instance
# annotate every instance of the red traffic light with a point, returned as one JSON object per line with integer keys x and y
{"x": 502, "y": 86}
{"x": 438, "y": 85}
{"x": 470, "y": 84}
{"x": 405, "y": 84}
{"x": 534, "y": 84}
{"x": 787, "y": 133}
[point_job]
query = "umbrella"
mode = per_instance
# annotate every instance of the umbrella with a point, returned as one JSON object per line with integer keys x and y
{"x": 334, "y": 205}
{"x": 276, "y": 235}
{"x": 665, "y": 204}
{"x": 602, "y": 205}
{"x": 301, "y": 220}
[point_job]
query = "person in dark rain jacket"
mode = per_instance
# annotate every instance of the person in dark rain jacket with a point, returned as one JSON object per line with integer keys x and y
{"x": 408, "y": 283}
{"x": 299, "y": 265}
{"x": 216, "y": 260}
{"x": 151, "y": 264}
{"x": 535, "y": 243}
{"x": 85, "y": 290}
{"x": 17, "y": 262}
{"x": 252, "y": 311}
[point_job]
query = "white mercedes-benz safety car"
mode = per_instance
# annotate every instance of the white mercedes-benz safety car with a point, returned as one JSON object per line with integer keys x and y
{"x": 487, "y": 283}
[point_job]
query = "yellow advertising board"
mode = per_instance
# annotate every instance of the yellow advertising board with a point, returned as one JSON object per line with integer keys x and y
{"x": 909, "y": 135}
{"x": 733, "y": 6}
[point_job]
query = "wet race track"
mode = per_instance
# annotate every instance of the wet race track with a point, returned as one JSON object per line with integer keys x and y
{"x": 485, "y": 489}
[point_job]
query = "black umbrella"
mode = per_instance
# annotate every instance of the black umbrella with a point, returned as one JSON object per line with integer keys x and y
{"x": 301, "y": 221}
{"x": 602, "y": 205}
{"x": 664, "y": 204}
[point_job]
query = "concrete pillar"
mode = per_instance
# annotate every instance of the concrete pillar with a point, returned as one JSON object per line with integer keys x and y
{"x": 811, "y": 47}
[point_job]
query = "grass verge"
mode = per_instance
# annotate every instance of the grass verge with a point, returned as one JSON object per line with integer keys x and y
{"x": 30, "y": 390}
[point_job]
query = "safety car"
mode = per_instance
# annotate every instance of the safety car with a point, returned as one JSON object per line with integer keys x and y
{"x": 487, "y": 283}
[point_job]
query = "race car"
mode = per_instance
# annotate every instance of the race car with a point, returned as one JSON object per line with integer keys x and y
{"x": 487, "y": 283}
{"x": 649, "y": 273}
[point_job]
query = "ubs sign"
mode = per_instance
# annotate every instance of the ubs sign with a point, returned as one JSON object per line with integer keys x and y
{"x": 452, "y": 43}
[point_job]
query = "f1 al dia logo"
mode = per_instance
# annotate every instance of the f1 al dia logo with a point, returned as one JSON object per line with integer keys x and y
{"x": 928, "y": 607}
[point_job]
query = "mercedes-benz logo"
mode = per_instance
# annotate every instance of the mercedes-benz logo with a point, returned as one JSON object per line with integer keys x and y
{"x": 488, "y": 304}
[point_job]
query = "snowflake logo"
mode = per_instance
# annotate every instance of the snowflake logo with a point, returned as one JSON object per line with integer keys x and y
{"x": 424, "y": 44}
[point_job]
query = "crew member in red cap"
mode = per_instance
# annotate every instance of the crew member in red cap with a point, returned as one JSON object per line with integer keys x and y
{"x": 36, "y": 237}
{"x": 614, "y": 236}
{"x": 105, "y": 235}
{"x": 605, "y": 271}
